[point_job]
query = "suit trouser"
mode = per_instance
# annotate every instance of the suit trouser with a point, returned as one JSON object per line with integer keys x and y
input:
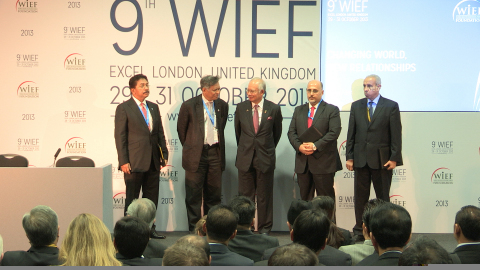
{"x": 381, "y": 179}
{"x": 147, "y": 181}
{"x": 309, "y": 182}
{"x": 255, "y": 181}
{"x": 206, "y": 182}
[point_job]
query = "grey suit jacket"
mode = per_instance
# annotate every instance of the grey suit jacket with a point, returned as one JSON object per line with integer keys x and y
{"x": 386, "y": 259}
{"x": 222, "y": 256}
{"x": 266, "y": 139}
{"x": 35, "y": 256}
{"x": 327, "y": 120}
{"x": 359, "y": 252}
{"x": 364, "y": 138}
{"x": 134, "y": 141}
{"x": 329, "y": 256}
{"x": 138, "y": 261}
{"x": 251, "y": 245}
{"x": 154, "y": 249}
{"x": 191, "y": 130}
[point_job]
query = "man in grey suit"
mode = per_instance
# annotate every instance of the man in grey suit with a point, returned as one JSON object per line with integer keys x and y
{"x": 246, "y": 243}
{"x": 467, "y": 233}
{"x": 316, "y": 162}
{"x": 200, "y": 127}
{"x": 138, "y": 137}
{"x": 374, "y": 129}
{"x": 258, "y": 128}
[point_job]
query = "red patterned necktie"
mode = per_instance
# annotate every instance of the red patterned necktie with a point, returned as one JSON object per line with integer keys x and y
{"x": 310, "y": 120}
{"x": 255, "y": 118}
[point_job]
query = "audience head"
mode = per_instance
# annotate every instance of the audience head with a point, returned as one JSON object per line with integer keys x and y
{"x": 87, "y": 242}
{"x": 293, "y": 255}
{"x": 199, "y": 226}
{"x": 245, "y": 209}
{"x": 311, "y": 229}
{"x": 296, "y": 207}
{"x": 424, "y": 251}
{"x": 144, "y": 209}
{"x": 185, "y": 255}
{"x": 221, "y": 224}
{"x": 369, "y": 206}
{"x": 195, "y": 240}
{"x": 390, "y": 225}
{"x": 131, "y": 236}
{"x": 326, "y": 203}
{"x": 467, "y": 224}
{"x": 41, "y": 226}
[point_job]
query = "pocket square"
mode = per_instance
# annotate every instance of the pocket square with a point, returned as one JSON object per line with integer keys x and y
{"x": 269, "y": 118}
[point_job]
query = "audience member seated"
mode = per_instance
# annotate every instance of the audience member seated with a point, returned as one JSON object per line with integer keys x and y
{"x": 199, "y": 226}
{"x": 41, "y": 228}
{"x": 246, "y": 243}
{"x": 360, "y": 251}
{"x": 328, "y": 256}
{"x": 337, "y": 236}
{"x": 390, "y": 230}
{"x": 196, "y": 240}
{"x": 467, "y": 233}
{"x": 221, "y": 226}
{"x": 424, "y": 251}
{"x": 87, "y": 242}
{"x": 145, "y": 210}
{"x": 293, "y": 255}
{"x": 185, "y": 255}
{"x": 131, "y": 236}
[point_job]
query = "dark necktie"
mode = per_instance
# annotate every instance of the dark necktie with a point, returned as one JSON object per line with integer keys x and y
{"x": 370, "y": 111}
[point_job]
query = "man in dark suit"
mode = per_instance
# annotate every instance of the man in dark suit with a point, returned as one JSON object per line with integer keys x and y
{"x": 200, "y": 126}
{"x": 467, "y": 233}
{"x": 246, "y": 243}
{"x": 185, "y": 254}
{"x": 145, "y": 210}
{"x": 316, "y": 162}
{"x": 131, "y": 236}
{"x": 258, "y": 128}
{"x": 374, "y": 127}
{"x": 390, "y": 230}
{"x": 424, "y": 251}
{"x": 221, "y": 227}
{"x": 138, "y": 138}
{"x": 42, "y": 230}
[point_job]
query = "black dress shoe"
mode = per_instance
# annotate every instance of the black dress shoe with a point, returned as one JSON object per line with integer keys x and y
{"x": 155, "y": 235}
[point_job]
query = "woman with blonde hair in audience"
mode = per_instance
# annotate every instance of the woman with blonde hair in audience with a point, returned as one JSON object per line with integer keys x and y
{"x": 87, "y": 242}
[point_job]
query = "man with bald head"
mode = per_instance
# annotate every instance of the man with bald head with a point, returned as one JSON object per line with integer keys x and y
{"x": 258, "y": 128}
{"x": 374, "y": 130}
{"x": 316, "y": 161}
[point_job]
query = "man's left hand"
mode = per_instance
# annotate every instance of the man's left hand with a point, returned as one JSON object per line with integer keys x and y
{"x": 390, "y": 165}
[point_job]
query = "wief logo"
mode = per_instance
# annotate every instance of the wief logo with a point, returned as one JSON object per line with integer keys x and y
{"x": 76, "y": 145}
{"x": 28, "y": 89}
{"x": 26, "y": 6}
{"x": 467, "y": 11}
{"x": 74, "y": 61}
{"x": 442, "y": 175}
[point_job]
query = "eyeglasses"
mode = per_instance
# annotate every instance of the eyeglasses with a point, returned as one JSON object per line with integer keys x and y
{"x": 252, "y": 91}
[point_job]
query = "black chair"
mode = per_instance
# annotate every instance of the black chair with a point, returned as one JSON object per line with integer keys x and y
{"x": 13, "y": 160}
{"x": 75, "y": 161}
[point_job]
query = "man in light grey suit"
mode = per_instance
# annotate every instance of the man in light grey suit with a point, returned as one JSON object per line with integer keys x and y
{"x": 138, "y": 137}
{"x": 316, "y": 162}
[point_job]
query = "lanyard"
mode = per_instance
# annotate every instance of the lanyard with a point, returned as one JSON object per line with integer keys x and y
{"x": 208, "y": 111}
{"x": 145, "y": 117}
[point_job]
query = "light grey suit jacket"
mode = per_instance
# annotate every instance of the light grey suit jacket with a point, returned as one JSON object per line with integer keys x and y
{"x": 359, "y": 251}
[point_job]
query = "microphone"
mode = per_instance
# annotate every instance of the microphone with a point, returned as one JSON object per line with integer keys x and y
{"x": 55, "y": 156}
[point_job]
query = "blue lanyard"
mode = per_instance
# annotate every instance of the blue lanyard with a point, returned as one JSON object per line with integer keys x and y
{"x": 146, "y": 108}
{"x": 309, "y": 111}
{"x": 208, "y": 111}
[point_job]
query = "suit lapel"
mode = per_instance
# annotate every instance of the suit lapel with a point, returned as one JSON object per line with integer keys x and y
{"x": 304, "y": 116}
{"x": 249, "y": 115}
{"x": 136, "y": 111}
{"x": 200, "y": 114}
{"x": 265, "y": 112}
{"x": 363, "y": 110}
{"x": 153, "y": 114}
{"x": 318, "y": 112}
{"x": 378, "y": 109}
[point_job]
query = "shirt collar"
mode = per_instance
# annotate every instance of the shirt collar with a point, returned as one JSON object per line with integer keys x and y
{"x": 206, "y": 100}
{"x": 138, "y": 101}
{"x": 260, "y": 104}
{"x": 471, "y": 243}
{"x": 375, "y": 101}
{"x": 316, "y": 106}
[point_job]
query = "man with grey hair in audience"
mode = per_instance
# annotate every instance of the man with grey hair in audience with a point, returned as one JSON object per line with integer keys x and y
{"x": 145, "y": 210}
{"x": 42, "y": 230}
{"x": 195, "y": 240}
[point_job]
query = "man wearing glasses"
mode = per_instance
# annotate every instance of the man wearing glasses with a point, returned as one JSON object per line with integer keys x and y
{"x": 316, "y": 161}
{"x": 200, "y": 128}
{"x": 258, "y": 128}
{"x": 374, "y": 146}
